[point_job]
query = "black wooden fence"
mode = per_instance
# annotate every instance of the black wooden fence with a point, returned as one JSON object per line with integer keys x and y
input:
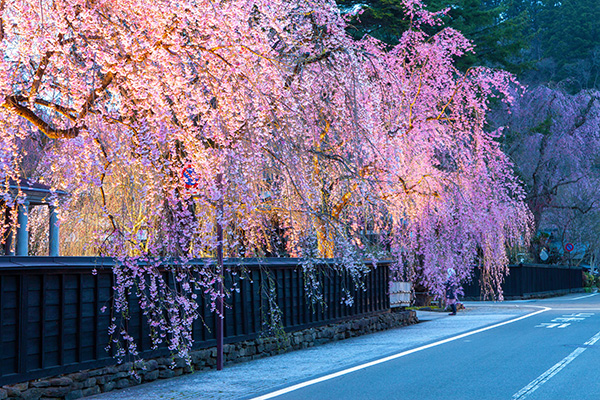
{"x": 532, "y": 280}
{"x": 51, "y": 323}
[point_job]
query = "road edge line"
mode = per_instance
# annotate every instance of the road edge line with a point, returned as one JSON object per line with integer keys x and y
{"x": 555, "y": 369}
{"x": 395, "y": 356}
{"x": 582, "y": 297}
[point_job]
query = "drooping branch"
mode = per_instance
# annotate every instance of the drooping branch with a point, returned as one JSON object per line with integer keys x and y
{"x": 95, "y": 93}
{"x": 15, "y": 105}
{"x": 65, "y": 111}
{"x": 305, "y": 61}
{"x": 2, "y": 5}
{"x": 37, "y": 78}
{"x": 12, "y": 104}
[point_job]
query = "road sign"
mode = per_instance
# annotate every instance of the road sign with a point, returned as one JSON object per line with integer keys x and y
{"x": 189, "y": 176}
{"x": 569, "y": 247}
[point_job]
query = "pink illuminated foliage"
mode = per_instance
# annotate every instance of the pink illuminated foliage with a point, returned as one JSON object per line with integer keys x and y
{"x": 329, "y": 147}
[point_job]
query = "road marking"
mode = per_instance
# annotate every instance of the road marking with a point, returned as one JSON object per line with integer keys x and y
{"x": 545, "y": 377}
{"x": 593, "y": 340}
{"x": 394, "y": 356}
{"x": 564, "y": 321}
{"x": 582, "y": 297}
{"x": 546, "y": 325}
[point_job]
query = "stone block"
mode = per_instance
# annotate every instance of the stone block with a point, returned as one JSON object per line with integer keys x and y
{"x": 91, "y": 391}
{"x": 270, "y": 347}
{"x": 33, "y": 394}
{"x": 74, "y": 394}
{"x": 128, "y": 366}
{"x": 89, "y": 382}
{"x": 17, "y": 387}
{"x": 178, "y": 372}
{"x": 13, "y": 391}
{"x": 110, "y": 370}
{"x": 39, "y": 384}
{"x": 56, "y": 391}
{"x": 101, "y": 380}
{"x": 96, "y": 372}
{"x": 166, "y": 373}
{"x": 199, "y": 357}
{"x": 123, "y": 383}
{"x": 151, "y": 376}
{"x": 3, "y": 394}
{"x": 79, "y": 376}
{"x": 109, "y": 386}
{"x": 120, "y": 375}
{"x": 164, "y": 361}
{"x": 151, "y": 365}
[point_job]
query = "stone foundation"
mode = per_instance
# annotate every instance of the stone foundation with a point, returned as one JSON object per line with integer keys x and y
{"x": 90, "y": 382}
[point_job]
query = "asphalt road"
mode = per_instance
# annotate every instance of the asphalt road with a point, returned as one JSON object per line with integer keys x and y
{"x": 552, "y": 352}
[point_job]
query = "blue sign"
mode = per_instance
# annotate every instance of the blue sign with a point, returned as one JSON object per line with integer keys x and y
{"x": 569, "y": 247}
{"x": 190, "y": 177}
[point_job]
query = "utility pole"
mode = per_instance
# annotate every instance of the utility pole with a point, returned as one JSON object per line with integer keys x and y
{"x": 220, "y": 312}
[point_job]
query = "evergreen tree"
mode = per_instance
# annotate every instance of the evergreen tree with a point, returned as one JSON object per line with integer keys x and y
{"x": 569, "y": 32}
{"x": 499, "y": 36}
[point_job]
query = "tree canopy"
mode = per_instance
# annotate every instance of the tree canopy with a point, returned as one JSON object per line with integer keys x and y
{"x": 316, "y": 145}
{"x": 544, "y": 42}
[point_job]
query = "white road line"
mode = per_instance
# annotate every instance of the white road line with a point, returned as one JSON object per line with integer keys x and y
{"x": 593, "y": 340}
{"x": 582, "y": 297}
{"x": 540, "y": 380}
{"x": 394, "y": 356}
{"x": 543, "y": 378}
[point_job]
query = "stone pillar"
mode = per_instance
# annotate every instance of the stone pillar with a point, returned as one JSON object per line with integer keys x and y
{"x": 53, "y": 236}
{"x": 22, "y": 234}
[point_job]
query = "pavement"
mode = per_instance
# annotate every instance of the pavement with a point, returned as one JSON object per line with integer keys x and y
{"x": 258, "y": 377}
{"x": 551, "y": 353}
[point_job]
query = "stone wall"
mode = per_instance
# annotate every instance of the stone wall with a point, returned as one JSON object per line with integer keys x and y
{"x": 90, "y": 382}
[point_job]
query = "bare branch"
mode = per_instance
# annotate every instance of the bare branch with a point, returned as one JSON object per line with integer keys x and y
{"x": 576, "y": 208}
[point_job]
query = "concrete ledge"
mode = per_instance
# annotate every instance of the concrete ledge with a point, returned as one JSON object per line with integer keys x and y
{"x": 96, "y": 381}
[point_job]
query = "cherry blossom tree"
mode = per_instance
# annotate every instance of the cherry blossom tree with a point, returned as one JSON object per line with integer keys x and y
{"x": 554, "y": 139}
{"x": 314, "y": 144}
